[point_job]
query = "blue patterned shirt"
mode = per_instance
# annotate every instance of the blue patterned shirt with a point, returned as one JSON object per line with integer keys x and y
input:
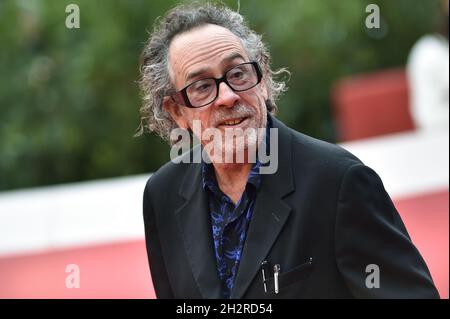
{"x": 230, "y": 222}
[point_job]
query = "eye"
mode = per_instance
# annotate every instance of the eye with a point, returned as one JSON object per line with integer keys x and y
{"x": 237, "y": 74}
{"x": 203, "y": 87}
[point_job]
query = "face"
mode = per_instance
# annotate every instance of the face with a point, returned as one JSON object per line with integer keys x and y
{"x": 209, "y": 51}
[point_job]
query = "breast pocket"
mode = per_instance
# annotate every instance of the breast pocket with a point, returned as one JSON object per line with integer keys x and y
{"x": 291, "y": 276}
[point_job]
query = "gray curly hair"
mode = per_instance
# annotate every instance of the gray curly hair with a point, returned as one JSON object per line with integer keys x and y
{"x": 155, "y": 80}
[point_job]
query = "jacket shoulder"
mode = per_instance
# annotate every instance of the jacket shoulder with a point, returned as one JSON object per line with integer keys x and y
{"x": 169, "y": 176}
{"x": 319, "y": 152}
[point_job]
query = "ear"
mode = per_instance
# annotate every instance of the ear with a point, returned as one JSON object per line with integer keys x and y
{"x": 264, "y": 90}
{"x": 174, "y": 110}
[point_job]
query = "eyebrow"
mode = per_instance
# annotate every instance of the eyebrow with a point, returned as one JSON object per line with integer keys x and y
{"x": 227, "y": 59}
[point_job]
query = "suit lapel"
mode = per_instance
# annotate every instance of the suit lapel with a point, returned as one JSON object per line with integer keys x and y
{"x": 195, "y": 225}
{"x": 269, "y": 215}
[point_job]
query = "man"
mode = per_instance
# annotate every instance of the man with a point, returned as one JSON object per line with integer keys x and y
{"x": 320, "y": 226}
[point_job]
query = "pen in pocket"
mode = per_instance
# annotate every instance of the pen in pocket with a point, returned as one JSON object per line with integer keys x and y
{"x": 276, "y": 271}
{"x": 265, "y": 273}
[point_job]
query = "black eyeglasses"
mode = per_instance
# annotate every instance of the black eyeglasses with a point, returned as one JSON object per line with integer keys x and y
{"x": 202, "y": 92}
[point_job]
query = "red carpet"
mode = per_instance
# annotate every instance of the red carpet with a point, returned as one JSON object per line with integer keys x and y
{"x": 120, "y": 270}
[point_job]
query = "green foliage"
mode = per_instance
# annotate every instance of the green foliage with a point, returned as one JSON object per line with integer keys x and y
{"x": 69, "y": 99}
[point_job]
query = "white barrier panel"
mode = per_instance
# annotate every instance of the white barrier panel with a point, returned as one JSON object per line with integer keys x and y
{"x": 70, "y": 215}
{"x": 111, "y": 210}
{"x": 408, "y": 163}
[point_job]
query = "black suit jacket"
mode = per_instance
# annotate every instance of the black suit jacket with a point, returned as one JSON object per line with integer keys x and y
{"x": 323, "y": 217}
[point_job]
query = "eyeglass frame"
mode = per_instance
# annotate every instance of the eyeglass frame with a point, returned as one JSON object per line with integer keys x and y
{"x": 181, "y": 95}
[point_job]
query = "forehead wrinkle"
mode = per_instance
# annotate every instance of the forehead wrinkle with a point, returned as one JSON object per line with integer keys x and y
{"x": 221, "y": 36}
{"x": 187, "y": 66}
{"x": 205, "y": 49}
{"x": 205, "y": 52}
{"x": 208, "y": 56}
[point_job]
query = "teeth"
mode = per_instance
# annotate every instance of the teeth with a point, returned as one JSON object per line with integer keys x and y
{"x": 232, "y": 122}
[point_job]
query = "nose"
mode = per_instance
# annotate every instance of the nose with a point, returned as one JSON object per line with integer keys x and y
{"x": 227, "y": 97}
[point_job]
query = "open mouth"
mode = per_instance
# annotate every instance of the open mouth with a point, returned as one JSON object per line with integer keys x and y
{"x": 233, "y": 122}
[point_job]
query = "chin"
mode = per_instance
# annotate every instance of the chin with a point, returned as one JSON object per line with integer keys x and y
{"x": 241, "y": 151}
